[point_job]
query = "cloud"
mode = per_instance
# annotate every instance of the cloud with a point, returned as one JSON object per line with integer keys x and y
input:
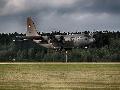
{"x": 65, "y": 15}
{"x": 61, "y": 6}
{"x": 11, "y": 26}
{"x": 102, "y": 6}
{"x": 93, "y": 6}
{"x": 18, "y": 6}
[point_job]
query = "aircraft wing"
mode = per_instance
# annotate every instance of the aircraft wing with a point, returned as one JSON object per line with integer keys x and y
{"x": 24, "y": 38}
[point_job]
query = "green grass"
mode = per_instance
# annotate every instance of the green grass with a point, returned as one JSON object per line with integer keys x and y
{"x": 60, "y": 76}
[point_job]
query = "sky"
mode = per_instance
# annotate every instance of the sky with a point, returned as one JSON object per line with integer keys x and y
{"x": 60, "y": 15}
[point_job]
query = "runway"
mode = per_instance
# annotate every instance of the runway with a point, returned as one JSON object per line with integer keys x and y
{"x": 59, "y": 63}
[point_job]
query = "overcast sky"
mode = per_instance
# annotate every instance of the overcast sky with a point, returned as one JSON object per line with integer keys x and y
{"x": 63, "y": 15}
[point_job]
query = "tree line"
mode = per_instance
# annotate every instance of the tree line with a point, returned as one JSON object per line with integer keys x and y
{"x": 106, "y": 48}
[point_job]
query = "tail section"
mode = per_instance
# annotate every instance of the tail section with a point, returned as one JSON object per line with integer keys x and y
{"x": 31, "y": 29}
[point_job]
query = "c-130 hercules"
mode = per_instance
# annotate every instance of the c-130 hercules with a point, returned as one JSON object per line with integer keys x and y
{"x": 57, "y": 42}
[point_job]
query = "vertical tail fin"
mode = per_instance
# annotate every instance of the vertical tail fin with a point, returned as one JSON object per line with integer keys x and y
{"x": 31, "y": 29}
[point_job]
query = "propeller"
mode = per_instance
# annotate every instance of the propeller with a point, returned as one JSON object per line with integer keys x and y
{"x": 57, "y": 42}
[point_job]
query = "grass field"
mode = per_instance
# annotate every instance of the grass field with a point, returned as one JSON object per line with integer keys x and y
{"x": 59, "y": 76}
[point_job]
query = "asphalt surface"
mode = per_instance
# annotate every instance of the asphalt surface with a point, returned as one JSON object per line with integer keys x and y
{"x": 59, "y": 63}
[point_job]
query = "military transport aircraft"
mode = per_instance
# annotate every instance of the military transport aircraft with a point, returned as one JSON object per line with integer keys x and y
{"x": 57, "y": 42}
